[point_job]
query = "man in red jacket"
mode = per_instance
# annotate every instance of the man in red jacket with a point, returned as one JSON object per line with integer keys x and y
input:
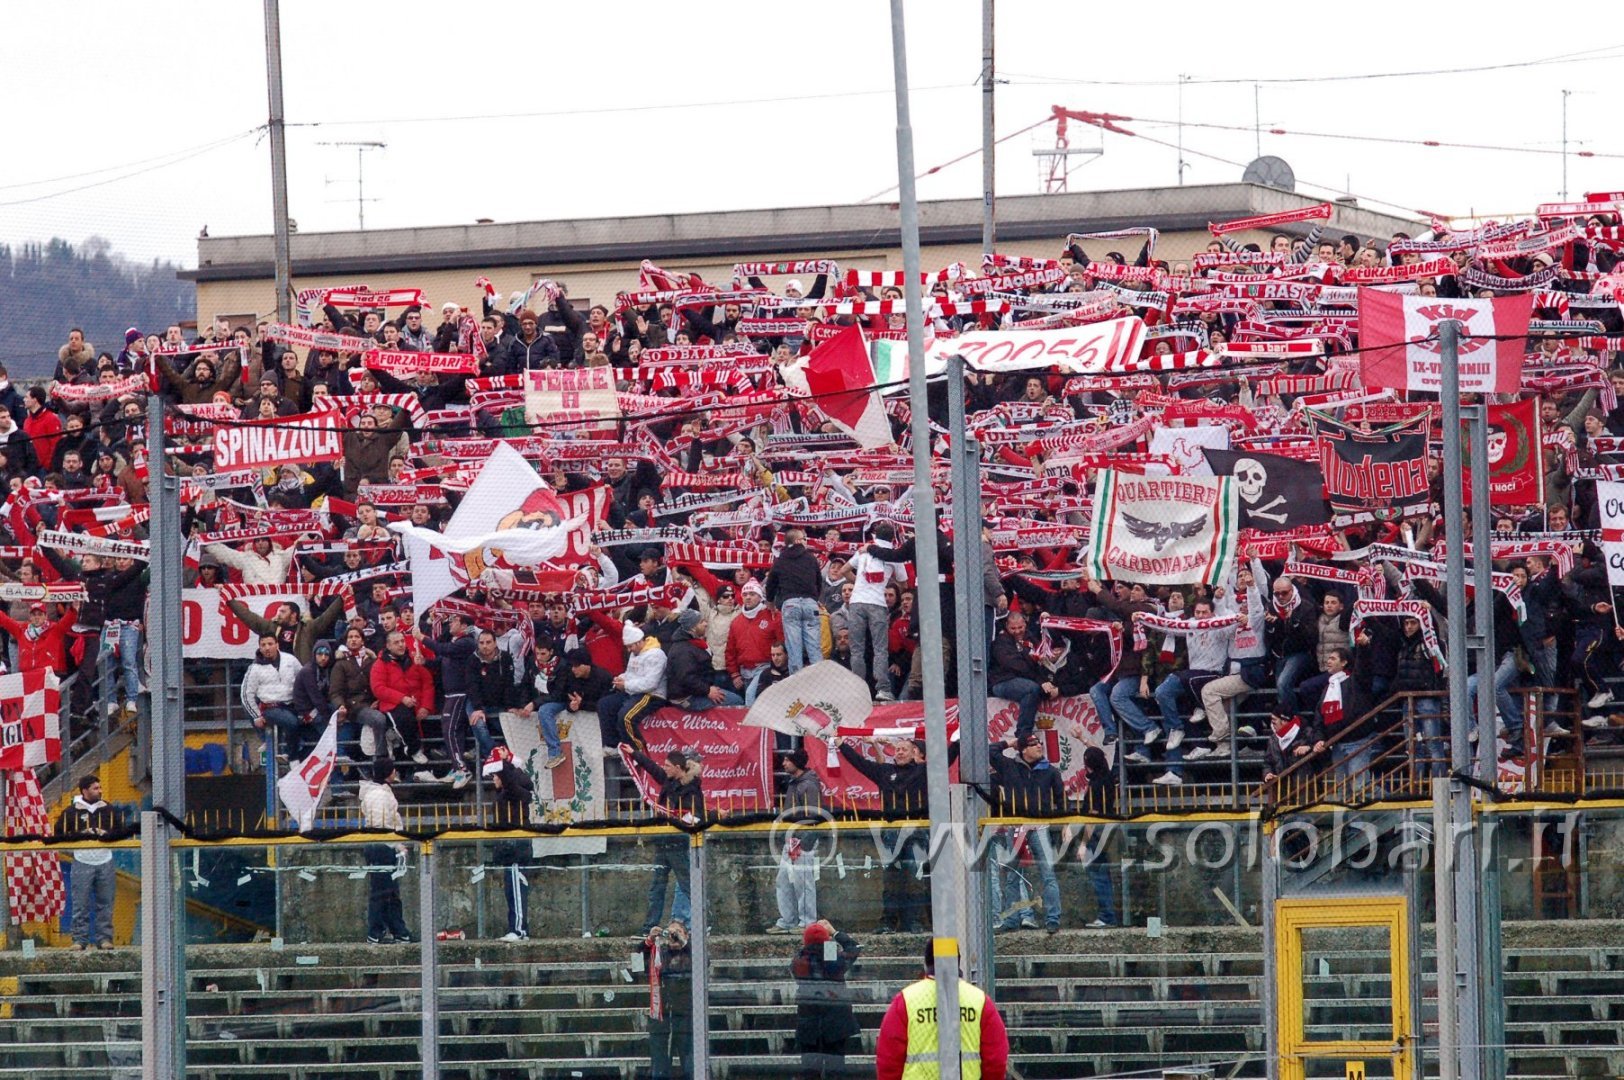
{"x": 750, "y": 640}
{"x": 40, "y": 643}
{"x": 909, "y": 1038}
{"x": 405, "y": 691}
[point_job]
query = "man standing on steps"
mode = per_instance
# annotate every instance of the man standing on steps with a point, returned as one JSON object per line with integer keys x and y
{"x": 909, "y": 1042}
{"x": 514, "y": 793}
{"x": 93, "y": 875}
{"x": 905, "y": 905}
{"x": 797, "y": 883}
{"x": 380, "y": 810}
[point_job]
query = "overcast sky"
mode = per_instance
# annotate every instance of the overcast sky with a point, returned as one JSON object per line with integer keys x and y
{"x": 783, "y": 104}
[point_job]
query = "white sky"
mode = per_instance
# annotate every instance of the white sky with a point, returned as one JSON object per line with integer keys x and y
{"x": 109, "y": 84}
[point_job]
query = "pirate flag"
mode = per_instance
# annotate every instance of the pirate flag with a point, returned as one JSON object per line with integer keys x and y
{"x": 1276, "y": 494}
{"x": 1516, "y": 468}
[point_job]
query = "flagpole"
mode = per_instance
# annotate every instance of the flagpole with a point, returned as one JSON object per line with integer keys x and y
{"x": 946, "y": 873}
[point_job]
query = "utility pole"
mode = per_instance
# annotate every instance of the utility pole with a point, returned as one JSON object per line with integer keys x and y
{"x": 1182, "y": 80}
{"x": 946, "y": 865}
{"x": 989, "y": 176}
{"x": 279, "y": 164}
{"x": 1463, "y": 965}
{"x": 163, "y": 956}
{"x": 1483, "y": 877}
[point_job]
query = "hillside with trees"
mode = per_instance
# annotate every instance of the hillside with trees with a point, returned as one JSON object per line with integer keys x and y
{"x": 46, "y": 289}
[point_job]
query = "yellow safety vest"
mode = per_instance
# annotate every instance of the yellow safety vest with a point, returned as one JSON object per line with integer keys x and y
{"x": 923, "y": 1042}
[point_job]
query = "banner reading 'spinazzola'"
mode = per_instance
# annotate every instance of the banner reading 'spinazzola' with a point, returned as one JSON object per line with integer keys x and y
{"x": 1379, "y": 471}
{"x": 1173, "y": 530}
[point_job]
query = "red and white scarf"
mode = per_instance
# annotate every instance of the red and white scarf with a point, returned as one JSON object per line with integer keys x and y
{"x": 1143, "y": 619}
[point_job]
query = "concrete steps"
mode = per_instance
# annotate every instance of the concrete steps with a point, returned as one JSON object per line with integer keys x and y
{"x": 1079, "y": 1004}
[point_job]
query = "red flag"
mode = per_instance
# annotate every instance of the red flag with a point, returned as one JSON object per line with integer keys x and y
{"x": 1399, "y": 347}
{"x": 1516, "y": 455}
{"x": 840, "y": 377}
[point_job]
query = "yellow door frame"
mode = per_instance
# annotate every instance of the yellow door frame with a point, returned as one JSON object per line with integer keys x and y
{"x": 1291, "y": 918}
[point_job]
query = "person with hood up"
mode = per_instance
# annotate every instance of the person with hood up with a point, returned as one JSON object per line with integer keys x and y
{"x": 93, "y": 876}
{"x": 824, "y": 1021}
{"x": 386, "y": 919}
{"x": 312, "y": 688}
{"x": 514, "y": 792}
{"x": 689, "y": 681}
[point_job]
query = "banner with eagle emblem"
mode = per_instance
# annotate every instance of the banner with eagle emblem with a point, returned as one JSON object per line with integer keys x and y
{"x": 1172, "y": 530}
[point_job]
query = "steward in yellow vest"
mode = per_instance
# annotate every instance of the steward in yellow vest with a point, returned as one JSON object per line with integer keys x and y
{"x": 908, "y": 1042}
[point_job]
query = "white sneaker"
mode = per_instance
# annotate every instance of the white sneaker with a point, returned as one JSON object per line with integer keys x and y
{"x": 1595, "y": 723}
{"x": 884, "y": 696}
{"x": 369, "y": 743}
{"x": 420, "y": 757}
{"x": 1246, "y": 731}
{"x": 1599, "y": 700}
{"x": 423, "y": 776}
{"x": 1169, "y": 779}
{"x": 1175, "y": 738}
{"x": 460, "y": 779}
{"x": 1152, "y": 735}
{"x": 514, "y": 936}
{"x": 1197, "y": 754}
{"x": 1555, "y": 729}
{"x": 555, "y": 761}
{"x": 1138, "y": 757}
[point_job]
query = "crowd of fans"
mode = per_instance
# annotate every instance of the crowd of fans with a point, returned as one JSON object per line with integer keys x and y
{"x": 835, "y": 578}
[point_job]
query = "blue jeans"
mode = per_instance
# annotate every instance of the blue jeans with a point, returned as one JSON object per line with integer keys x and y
{"x": 752, "y": 682}
{"x": 1099, "y": 877}
{"x": 701, "y": 702}
{"x": 1027, "y": 694}
{"x": 547, "y": 717}
{"x": 1291, "y": 672}
{"x": 1429, "y": 725}
{"x": 1505, "y": 673}
{"x": 803, "y": 632}
{"x": 1120, "y": 699}
{"x": 670, "y": 858}
{"x": 126, "y": 642}
{"x": 483, "y": 739}
{"x": 1037, "y": 842}
{"x": 288, "y": 728}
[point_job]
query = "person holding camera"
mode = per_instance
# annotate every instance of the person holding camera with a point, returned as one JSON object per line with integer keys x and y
{"x": 825, "y": 1026}
{"x": 670, "y": 967}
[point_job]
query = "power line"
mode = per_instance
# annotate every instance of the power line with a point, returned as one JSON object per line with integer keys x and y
{"x": 1585, "y": 57}
{"x": 187, "y": 156}
{"x": 126, "y": 165}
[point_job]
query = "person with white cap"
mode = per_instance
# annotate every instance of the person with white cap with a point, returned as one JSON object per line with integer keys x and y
{"x": 637, "y": 693}
{"x": 750, "y": 640}
{"x": 514, "y": 792}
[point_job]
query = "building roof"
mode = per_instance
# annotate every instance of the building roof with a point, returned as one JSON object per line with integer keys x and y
{"x": 790, "y": 230}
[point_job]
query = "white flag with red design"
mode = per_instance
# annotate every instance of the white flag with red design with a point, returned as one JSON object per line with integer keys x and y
{"x": 30, "y": 719}
{"x": 306, "y": 781}
{"x": 1610, "y": 501}
{"x": 1399, "y": 347}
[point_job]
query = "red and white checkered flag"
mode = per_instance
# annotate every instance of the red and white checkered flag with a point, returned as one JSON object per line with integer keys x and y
{"x": 33, "y": 880}
{"x": 30, "y": 720}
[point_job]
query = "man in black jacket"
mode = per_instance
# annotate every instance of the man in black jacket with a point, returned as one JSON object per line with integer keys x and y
{"x": 794, "y": 584}
{"x": 902, "y": 783}
{"x": 1027, "y": 786}
{"x": 1016, "y": 676}
{"x": 579, "y": 685}
{"x": 490, "y": 688}
{"x": 689, "y": 671}
{"x": 1292, "y": 631}
{"x": 683, "y": 798}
